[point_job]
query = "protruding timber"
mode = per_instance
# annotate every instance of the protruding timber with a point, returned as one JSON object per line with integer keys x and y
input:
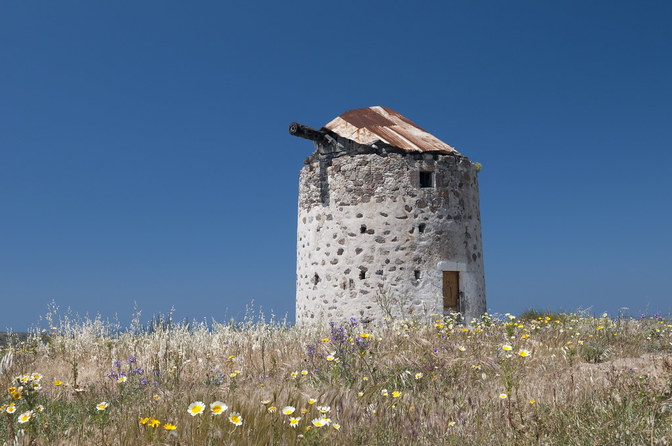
{"x": 303, "y": 131}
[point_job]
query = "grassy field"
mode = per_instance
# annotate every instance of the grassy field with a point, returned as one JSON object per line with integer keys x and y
{"x": 536, "y": 379}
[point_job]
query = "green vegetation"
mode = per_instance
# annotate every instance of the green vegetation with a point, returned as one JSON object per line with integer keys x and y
{"x": 543, "y": 378}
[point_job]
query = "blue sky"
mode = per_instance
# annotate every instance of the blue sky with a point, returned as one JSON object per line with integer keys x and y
{"x": 145, "y": 157}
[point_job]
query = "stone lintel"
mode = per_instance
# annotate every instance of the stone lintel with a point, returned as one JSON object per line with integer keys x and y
{"x": 451, "y": 266}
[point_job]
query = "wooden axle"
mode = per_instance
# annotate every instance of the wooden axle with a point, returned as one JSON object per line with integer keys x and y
{"x": 303, "y": 131}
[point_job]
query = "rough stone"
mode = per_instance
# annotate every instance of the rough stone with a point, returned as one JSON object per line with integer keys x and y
{"x": 352, "y": 192}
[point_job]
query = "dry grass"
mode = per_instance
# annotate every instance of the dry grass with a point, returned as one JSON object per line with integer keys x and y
{"x": 585, "y": 381}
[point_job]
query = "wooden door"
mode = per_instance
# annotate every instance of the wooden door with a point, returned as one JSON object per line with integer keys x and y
{"x": 450, "y": 290}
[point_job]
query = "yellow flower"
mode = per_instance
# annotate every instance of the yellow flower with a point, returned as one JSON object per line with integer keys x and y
{"x": 196, "y": 408}
{"x": 364, "y": 335}
{"x": 337, "y": 426}
{"x": 531, "y": 401}
{"x": 121, "y": 379}
{"x": 144, "y": 420}
{"x": 312, "y": 401}
{"x": 169, "y": 427}
{"x": 360, "y": 394}
{"x": 58, "y": 382}
{"x": 507, "y": 348}
{"x": 524, "y": 353}
{"x": 461, "y": 348}
{"x": 318, "y": 422}
{"x": 383, "y": 392}
{"x": 396, "y": 394}
{"x": 102, "y": 405}
{"x": 272, "y": 409}
{"x": 325, "y": 339}
{"x": 452, "y": 423}
{"x": 418, "y": 375}
{"x": 11, "y": 408}
{"x": 503, "y": 396}
{"x": 154, "y": 422}
{"x": 304, "y": 372}
{"x": 295, "y": 374}
{"x": 288, "y": 410}
{"x": 294, "y": 422}
{"x": 330, "y": 358}
{"x": 218, "y": 407}
{"x": 235, "y": 418}
{"x": 232, "y": 375}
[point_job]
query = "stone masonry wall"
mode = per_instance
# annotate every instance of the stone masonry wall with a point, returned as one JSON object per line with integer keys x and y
{"x": 368, "y": 233}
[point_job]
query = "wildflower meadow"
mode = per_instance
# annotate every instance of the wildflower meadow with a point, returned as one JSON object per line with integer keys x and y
{"x": 538, "y": 378}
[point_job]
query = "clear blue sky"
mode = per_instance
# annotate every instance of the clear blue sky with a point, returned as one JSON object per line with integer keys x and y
{"x": 145, "y": 157}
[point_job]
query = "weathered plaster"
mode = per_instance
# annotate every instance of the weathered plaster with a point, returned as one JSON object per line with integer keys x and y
{"x": 359, "y": 238}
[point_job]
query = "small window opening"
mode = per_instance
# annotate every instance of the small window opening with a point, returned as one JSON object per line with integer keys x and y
{"x": 426, "y": 179}
{"x": 421, "y": 227}
{"x": 362, "y": 275}
{"x": 316, "y": 278}
{"x": 416, "y": 274}
{"x": 362, "y": 230}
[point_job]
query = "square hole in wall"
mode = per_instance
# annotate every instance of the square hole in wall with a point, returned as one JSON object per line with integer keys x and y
{"x": 426, "y": 179}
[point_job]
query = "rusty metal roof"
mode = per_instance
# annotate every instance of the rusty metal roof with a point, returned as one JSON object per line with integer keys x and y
{"x": 371, "y": 124}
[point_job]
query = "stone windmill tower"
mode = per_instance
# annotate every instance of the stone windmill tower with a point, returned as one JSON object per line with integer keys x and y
{"x": 388, "y": 222}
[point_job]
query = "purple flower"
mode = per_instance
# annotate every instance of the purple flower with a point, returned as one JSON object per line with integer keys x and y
{"x": 117, "y": 364}
{"x": 131, "y": 359}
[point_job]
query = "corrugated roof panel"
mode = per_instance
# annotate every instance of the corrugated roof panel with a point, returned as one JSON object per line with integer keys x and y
{"x": 367, "y": 125}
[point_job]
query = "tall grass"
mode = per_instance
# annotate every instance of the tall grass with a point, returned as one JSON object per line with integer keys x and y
{"x": 566, "y": 379}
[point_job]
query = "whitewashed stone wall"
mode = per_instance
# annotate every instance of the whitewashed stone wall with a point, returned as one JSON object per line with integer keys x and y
{"x": 360, "y": 240}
